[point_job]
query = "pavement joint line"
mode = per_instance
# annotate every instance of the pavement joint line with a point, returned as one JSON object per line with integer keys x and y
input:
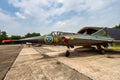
{"x": 6, "y": 62}
{"x": 44, "y": 55}
{"x": 9, "y": 53}
{"x": 60, "y": 62}
{"x": 73, "y": 68}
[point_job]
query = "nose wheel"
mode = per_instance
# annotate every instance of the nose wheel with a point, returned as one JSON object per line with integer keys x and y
{"x": 67, "y": 53}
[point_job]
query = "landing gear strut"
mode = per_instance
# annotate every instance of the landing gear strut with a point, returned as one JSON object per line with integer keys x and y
{"x": 101, "y": 51}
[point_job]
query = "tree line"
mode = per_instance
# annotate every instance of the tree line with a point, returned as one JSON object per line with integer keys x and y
{"x": 117, "y": 26}
{"x": 4, "y": 36}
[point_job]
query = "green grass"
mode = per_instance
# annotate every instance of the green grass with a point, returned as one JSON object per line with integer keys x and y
{"x": 115, "y": 47}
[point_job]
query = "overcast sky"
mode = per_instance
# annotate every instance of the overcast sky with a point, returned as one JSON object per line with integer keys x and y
{"x": 18, "y": 17}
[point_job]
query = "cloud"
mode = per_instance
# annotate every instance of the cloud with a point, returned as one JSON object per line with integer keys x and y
{"x": 59, "y": 25}
{"x": 9, "y": 23}
{"x": 20, "y": 15}
{"x": 47, "y": 8}
{"x": 66, "y": 15}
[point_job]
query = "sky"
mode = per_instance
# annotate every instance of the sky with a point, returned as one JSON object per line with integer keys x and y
{"x": 18, "y": 17}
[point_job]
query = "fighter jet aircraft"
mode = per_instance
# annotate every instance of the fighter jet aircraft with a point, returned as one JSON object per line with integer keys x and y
{"x": 98, "y": 39}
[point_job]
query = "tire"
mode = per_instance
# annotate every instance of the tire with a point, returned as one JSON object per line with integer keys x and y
{"x": 67, "y": 53}
{"x": 102, "y": 51}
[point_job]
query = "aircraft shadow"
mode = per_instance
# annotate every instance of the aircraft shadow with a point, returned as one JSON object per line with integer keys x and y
{"x": 85, "y": 52}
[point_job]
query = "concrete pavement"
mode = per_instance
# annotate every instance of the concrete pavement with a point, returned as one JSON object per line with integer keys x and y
{"x": 34, "y": 65}
{"x": 8, "y": 54}
{"x": 49, "y": 63}
{"x": 92, "y": 64}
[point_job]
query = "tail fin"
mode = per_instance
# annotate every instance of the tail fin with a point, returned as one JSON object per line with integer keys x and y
{"x": 101, "y": 32}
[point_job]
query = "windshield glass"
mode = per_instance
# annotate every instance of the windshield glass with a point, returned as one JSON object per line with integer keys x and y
{"x": 55, "y": 33}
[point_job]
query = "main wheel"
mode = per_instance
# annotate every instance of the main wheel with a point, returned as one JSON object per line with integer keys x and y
{"x": 67, "y": 53}
{"x": 102, "y": 51}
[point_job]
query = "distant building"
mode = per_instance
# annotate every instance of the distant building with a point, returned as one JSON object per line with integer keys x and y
{"x": 112, "y": 32}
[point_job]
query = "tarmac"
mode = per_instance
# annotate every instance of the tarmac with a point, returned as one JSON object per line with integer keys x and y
{"x": 49, "y": 63}
{"x": 8, "y": 54}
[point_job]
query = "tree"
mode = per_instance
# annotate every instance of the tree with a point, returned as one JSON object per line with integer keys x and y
{"x": 0, "y": 39}
{"x": 117, "y": 26}
{"x": 32, "y": 34}
{"x": 3, "y": 35}
{"x": 15, "y": 37}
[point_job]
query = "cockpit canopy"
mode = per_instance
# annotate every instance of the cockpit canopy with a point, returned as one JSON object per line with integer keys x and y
{"x": 58, "y": 33}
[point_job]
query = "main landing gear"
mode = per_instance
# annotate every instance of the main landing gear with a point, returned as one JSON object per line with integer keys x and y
{"x": 100, "y": 50}
{"x": 68, "y": 51}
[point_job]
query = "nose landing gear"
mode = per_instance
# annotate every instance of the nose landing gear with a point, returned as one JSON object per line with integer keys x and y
{"x": 68, "y": 51}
